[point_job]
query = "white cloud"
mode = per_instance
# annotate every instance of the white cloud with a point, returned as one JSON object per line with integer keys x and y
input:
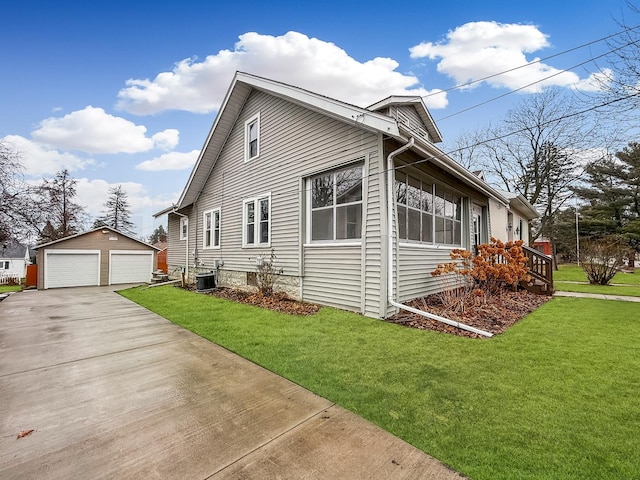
{"x": 95, "y": 131}
{"x": 292, "y": 58}
{"x": 170, "y": 161}
{"x": 478, "y": 49}
{"x": 39, "y": 161}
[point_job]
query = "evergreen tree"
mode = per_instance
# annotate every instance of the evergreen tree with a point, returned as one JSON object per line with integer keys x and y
{"x": 158, "y": 235}
{"x": 117, "y": 212}
{"x": 608, "y": 198}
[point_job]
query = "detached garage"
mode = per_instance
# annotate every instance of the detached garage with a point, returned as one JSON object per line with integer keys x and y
{"x": 102, "y": 256}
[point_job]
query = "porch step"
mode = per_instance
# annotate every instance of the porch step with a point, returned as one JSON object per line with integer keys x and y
{"x": 537, "y": 287}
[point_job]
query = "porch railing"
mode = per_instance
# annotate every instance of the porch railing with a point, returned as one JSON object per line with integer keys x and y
{"x": 540, "y": 267}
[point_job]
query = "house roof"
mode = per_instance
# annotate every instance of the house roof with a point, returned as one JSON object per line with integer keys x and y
{"x": 241, "y": 87}
{"x": 521, "y": 204}
{"x": 13, "y": 249}
{"x": 91, "y": 231}
{"x": 366, "y": 118}
{"x": 421, "y": 108}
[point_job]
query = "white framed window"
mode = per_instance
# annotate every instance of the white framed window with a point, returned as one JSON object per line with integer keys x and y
{"x": 335, "y": 205}
{"x": 252, "y": 138}
{"x": 256, "y": 220}
{"x": 211, "y": 228}
{"x": 184, "y": 228}
{"x": 4, "y": 265}
{"x": 427, "y": 212}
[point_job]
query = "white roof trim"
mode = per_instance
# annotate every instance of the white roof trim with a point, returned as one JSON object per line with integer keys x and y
{"x": 363, "y": 117}
{"x": 416, "y": 101}
{"x": 104, "y": 227}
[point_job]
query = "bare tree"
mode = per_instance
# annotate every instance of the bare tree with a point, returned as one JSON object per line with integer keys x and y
{"x": 541, "y": 149}
{"x": 117, "y": 212}
{"x": 61, "y": 215}
{"x": 10, "y": 191}
{"x": 619, "y": 80}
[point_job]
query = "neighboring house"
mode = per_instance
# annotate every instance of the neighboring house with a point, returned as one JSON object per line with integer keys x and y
{"x": 511, "y": 223}
{"x": 102, "y": 256}
{"x": 543, "y": 245}
{"x": 14, "y": 258}
{"x": 358, "y": 204}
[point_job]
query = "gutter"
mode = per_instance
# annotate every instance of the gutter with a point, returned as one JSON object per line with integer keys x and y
{"x": 393, "y": 240}
{"x": 186, "y": 256}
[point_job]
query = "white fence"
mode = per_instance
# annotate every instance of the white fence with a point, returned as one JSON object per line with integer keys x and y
{"x": 9, "y": 278}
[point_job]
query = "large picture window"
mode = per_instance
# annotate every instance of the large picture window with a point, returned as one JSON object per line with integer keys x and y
{"x": 336, "y": 205}
{"x": 427, "y": 212}
{"x": 211, "y": 229}
{"x": 257, "y": 221}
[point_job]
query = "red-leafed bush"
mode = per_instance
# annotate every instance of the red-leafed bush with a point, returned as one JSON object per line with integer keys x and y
{"x": 470, "y": 279}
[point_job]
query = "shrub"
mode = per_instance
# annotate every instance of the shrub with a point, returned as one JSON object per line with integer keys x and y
{"x": 470, "y": 279}
{"x": 267, "y": 273}
{"x": 601, "y": 258}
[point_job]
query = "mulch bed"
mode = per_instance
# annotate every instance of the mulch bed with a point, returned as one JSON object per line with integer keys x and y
{"x": 495, "y": 316}
{"x": 278, "y": 301}
{"x": 498, "y": 313}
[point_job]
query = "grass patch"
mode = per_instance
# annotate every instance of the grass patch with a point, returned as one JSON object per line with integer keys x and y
{"x": 573, "y": 273}
{"x": 10, "y": 288}
{"x": 554, "y": 397}
{"x": 600, "y": 289}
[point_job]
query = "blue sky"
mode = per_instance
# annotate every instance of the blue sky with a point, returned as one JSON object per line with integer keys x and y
{"x": 124, "y": 92}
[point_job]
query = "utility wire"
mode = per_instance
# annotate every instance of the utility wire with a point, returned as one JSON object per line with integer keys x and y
{"x": 472, "y": 82}
{"x": 293, "y": 194}
{"x": 537, "y": 81}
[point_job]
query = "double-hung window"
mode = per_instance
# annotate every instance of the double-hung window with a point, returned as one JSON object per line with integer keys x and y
{"x": 4, "y": 265}
{"x": 252, "y": 138}
{"x": 427, "y": 212}
{"x": 211, "y": 229}
{"x": 257, "y": 221}
{"x": 336, "y": 205}
{"x": 184, "y": 228}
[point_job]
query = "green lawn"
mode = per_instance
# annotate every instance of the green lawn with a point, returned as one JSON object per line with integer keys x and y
{"x": 10, "y": 288}
{"x": 554, "y": 397}
{"x": 573, "y": 273}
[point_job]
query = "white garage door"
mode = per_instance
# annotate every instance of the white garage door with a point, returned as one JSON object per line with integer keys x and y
{"x": 130, "y": 266}
{"x": 71, "y": 268}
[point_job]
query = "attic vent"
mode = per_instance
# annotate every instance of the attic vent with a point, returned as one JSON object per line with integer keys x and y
{"x": 402, "y": 118}
{"x": 423, "y": 133}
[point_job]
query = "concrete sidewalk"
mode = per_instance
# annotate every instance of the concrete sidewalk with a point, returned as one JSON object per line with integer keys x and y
{"x": 621, "y": 298}
{"x": 112, "y": 390}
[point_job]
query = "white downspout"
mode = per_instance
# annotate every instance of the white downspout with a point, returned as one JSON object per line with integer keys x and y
{"x": 391, "y": 241}
{"x": 186, "y": 256}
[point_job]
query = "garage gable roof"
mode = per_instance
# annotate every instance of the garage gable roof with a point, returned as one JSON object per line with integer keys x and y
{"x": 91, "y": 231}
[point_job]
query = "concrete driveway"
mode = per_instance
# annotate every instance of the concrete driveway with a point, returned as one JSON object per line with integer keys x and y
{"x": 112, "y": 390}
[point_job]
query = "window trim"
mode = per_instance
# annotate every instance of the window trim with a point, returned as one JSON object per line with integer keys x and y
{"x": 435, "y": 187}
{"x": 256, "y": 232}
{"x": 247, "y": 125}
{"x": 213, "y": 212}
{"x": 184, "y": 221}
{"x": 335, "y": 241}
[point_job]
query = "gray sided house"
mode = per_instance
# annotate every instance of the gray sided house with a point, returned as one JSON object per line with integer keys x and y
{"x": 358, "y": 204}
